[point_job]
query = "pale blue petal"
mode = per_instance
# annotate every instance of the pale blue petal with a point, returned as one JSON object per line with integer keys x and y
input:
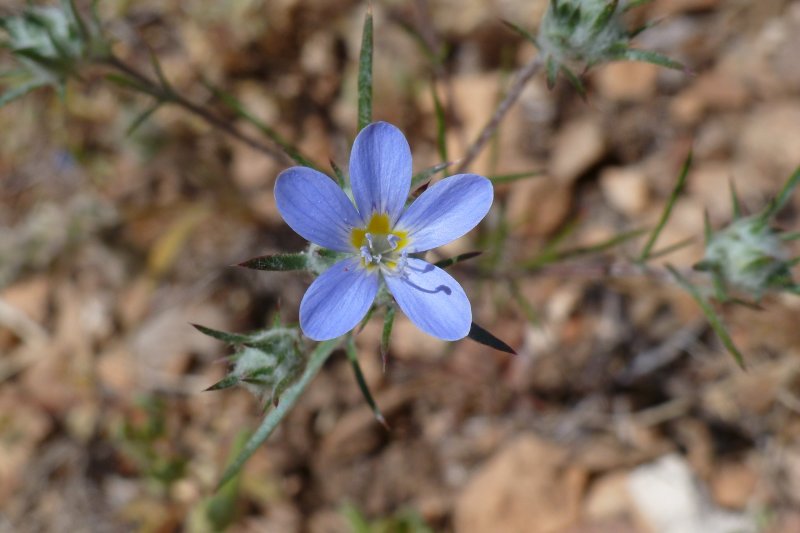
{"x": 316, "y": 208}
{"x": 432, "y": 299}
{"x": 446, "y": 211}
{"x": 337, "y": 300}
{"x": 380, "y": 170}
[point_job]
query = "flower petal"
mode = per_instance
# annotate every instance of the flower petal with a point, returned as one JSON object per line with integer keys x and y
{"x": 316, "y": 208}
{"x": 432, "y": 299}
{"x": 380, "y": 170}
{"x": 446, "y": 211}
{"x": 337, "y": 300}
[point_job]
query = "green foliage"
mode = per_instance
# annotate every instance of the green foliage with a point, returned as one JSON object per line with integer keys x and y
{"x": 289, "y": 398}
{"x": 673, "y": 197}
{"x": 748, "y": 254}
{"x": 352, "y": 356}
{"x": 266, "y": 362}
{"x": 508, "y": 178}
{"x": 277, "y": 262}
{"x": 143, "y": 437}
{"x": 242, "y": 112}
{"x": 51, "y": 44}
{"x": 403, "y": 521}
{"x": 423, "y": 176}
{"x": 220, "y": 509}
{"x": 711, "y": 315}
{"x": 365, "y": 74}
{"x": 576, "y": 35}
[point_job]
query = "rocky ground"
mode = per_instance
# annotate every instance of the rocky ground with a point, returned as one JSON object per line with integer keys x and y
{"x": 621, "y": 412}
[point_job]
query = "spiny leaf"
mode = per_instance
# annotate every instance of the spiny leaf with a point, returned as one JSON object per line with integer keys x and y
{"x": 711, "y": 315}
{"x": 602, "y": 20}
{"x": 142, "y": 118}
{"x": 82, "y": 28}
{"x": 737, "y": 206}
{"x": 365, "y": 73}
{"x": 575, "y": 81}
{"x": 130, "y": 83}
{"x": 432, "y": 56}
{"x": 644, "y": 27}
{"x": 352, "y": 356}
{"x": 508, "y": 178}
{"x": 20, "y": 91}
{"x": 366, "y": 319}
{"x": 635, "y": 3}
{"x": 95, "y": 11}
{"x": 277, "y": 262}
{"x": 446, "y": 263}
{"x": 527, "y": 309}
{"x": 522, "y": 31}
{"x": 32, "y": 54}
{"x": 225, "y": 383}
{"x": 759, "y": 263}
{"x": 708, "y": 234}
{"x": 571, "y": 253}
{"x": 162, "y": 79}
{"x": 794, "y": 289}
{"x": 550, "y": 251}
{"x": 648, "y": 56}
{"x": 718, "y": 284}
{"x": 338, "y": 173}
{"x": 419, "y": 190}
{"x": 441, "y": 124}
{"x": 285, "y": 383}
{"x": 671, "y": 248}
{"x": 602, "y": 246}
{"x": 703, "y": 266}
{"x": 288, "y": 400}
{"x": 224, "y": 336}
{"x": 552, "y": 72}
{"x": 780, "y": 200}
{"x": 237, "y": 107}
{"x": 480, "y": 335}
{"x": 673, "y": 197}
{"x": 424, "y": 175}
{"x": 12, "y": 73}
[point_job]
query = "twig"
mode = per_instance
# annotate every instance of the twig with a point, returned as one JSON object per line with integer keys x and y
{"x": 523, "y": 76}
{"x": 169, "y": 96}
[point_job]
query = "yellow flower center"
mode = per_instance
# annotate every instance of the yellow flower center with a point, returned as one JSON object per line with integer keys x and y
{"x": 378, "y": 244}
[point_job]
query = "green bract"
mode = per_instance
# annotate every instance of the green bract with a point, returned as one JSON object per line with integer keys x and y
{"x": 266, "y": 362}
{"x": 51, "y": 44}
{"x": 748, "y": 255}
{"x": 582, "y": 31}
{"x": 576, "y": 35}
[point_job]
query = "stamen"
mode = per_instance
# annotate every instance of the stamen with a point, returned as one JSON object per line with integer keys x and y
{"x": 365, "y": 253}
{"x": 379, "y": 246}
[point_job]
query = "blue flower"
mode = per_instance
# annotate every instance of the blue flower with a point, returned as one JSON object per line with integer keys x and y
{"x": 380, "y": 237}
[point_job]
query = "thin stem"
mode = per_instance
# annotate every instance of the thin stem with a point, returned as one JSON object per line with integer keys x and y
{"x": 168, "y": 96}
{"x": 523, "y": 76}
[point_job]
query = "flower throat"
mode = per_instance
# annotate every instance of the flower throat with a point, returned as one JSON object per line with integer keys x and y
{"x": 378, "y": 245}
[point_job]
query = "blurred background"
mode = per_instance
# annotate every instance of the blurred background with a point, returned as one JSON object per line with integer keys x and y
{"x": 621, "y": 411}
